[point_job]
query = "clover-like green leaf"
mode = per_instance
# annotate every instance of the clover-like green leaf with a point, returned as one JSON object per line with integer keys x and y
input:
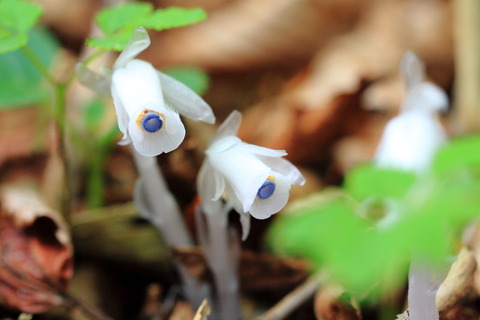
{"x": 461, "y": 153}
{"x": 17, "y": 18}
{"x": 427, "y": 220}
{"x": 174, "y": 17}
{"x": 130, "y": 15}
{"x": 369, "y": 180}
{"x": 118, "y": 23}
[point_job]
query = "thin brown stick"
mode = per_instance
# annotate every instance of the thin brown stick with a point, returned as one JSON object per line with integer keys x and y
{"x": 89, "y": 310}
{"x": 467, "y": 65}
{"x": 294, "y": 299}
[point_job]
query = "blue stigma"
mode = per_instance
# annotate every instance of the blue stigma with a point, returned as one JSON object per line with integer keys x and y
{"x": 152, "y": 122}
{"x": 266, "y": 190}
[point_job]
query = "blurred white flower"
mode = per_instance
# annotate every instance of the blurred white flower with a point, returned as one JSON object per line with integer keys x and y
{"x": 147, "y": 101}
{"x": 411, "y": 139}
{"x": 252, "y": 179}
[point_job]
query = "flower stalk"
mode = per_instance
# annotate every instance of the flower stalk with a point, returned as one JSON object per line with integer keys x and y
{"x": 409, "y": 143}
{"x": 222, "y": 251}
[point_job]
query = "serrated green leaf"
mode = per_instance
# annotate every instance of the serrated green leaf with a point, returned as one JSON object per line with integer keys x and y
{"x": 194, "y": 78}
{"x": 459, "y": 153}
{"x": 118, "y": 22}
{"x": 111, "y": 20}
{"x": 18, "y": 16}
{"x": 23, "y": 85}
{"x": 369, "y": 180}
{"x": 173, "y": 17}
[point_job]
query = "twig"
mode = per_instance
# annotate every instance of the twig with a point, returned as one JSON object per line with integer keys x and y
{"x": 467, "y": 64}
{"x": 91, "y": 311}
{"x": 294, "y": 299}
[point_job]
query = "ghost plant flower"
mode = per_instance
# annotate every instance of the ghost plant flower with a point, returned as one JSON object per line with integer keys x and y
{"x": 147, "y": 101}
{"x": 253, "y": 180}
{"x": 411, "y": 139}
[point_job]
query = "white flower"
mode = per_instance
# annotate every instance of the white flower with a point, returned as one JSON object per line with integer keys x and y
{"x": 147, "y": 101}
{"x": 252, "y": 179}
{"x": 411, "y": 139}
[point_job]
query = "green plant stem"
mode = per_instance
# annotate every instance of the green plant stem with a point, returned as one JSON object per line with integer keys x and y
{"x": 96, "y": 181}
{"x": 39, "y": 65}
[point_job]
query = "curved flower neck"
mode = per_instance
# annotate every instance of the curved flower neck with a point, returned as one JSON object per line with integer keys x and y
{"x": 223, "y": 144}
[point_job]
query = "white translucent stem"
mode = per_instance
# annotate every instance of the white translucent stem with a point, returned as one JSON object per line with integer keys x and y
{"x": 162, "y": 203}
{"x": 166, "y": 216}
{"x": 222, "y": 253}
{"x": 423, "y": 283}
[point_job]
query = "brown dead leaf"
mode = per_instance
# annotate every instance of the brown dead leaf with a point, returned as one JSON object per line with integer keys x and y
{"x": 36, "y": 254}
{"x": 249, "y": 33}
{"x": 20, "y": 133}
{"x": 351, "y": 74}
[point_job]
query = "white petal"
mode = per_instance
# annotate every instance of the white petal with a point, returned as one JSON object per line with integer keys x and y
{"x": 262, "y": 151}
{"x": 410, "y": 141}
{"x": 264, "y": 208}
{"x": 286, "y": 168}
{"x": 95, "y": 81}
{"x": 229, "y": 127}
{"x": 244, "y": 173}
{"x": 185, "y": 100}
{"x": 137, "y": 86}
{"x": 168, "y": 138}
{"x": 426, "y": 96}
{"x": 122, "y": 116}
{"x": 223, "y": 144}
{"x": 139, "y": 41}
{"x": 413, "y": 69}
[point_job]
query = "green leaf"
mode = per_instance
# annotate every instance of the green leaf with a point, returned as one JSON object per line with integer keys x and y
{"x": 12, "y": 42}
{"x": 194, "y": 78}
{"x": 130, "y": 15}
{"x": 174, "y": 17}
{"x": 427, "y": 221}
{"x": 369, "y": 180}
{"x": 24, "y": 85}
{"x": 459, "y": 154}
{"x": 17, "y": 17}
{"x": 118, "y": 22}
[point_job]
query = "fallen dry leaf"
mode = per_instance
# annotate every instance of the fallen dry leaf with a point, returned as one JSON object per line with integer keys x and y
{"x": 349, "y": 76}
{"x": 248, "y": 33}
{"x": 36, "y": 254}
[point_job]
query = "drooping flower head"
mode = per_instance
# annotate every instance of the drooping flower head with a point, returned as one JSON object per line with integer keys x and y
{"x": 253, "y": 180}
{"x": 147, "y": 101}
{"x": 411, "y": 139}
